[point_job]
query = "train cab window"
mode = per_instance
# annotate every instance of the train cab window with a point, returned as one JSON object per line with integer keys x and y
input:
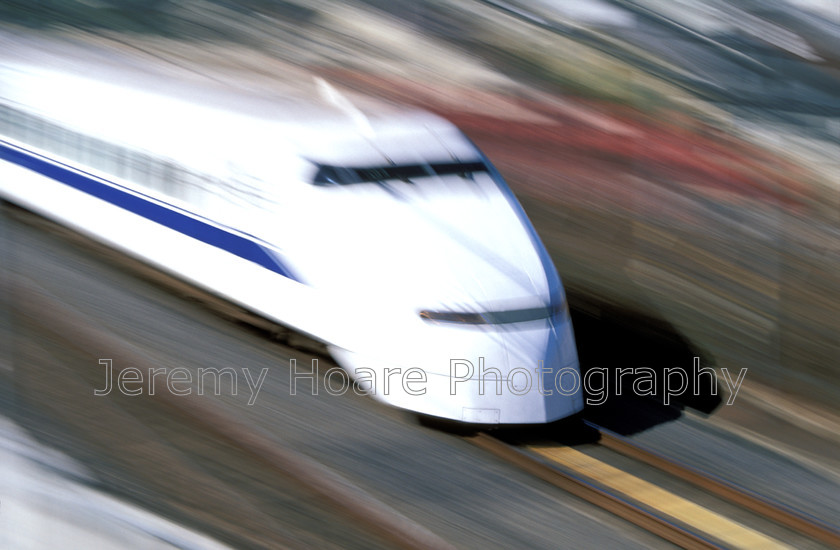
{"x": 346, "y": 175}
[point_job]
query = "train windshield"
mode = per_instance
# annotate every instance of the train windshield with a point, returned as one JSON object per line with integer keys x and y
{"x": 346, "y": 175}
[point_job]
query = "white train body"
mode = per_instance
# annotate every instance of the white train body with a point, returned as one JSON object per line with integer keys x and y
{"x": 386, "y": 235}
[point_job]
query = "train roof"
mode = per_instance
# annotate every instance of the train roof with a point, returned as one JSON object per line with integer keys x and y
{"x": 203, "y": 125}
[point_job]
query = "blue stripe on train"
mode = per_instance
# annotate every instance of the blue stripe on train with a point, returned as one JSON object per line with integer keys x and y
{"x": 143, "y": 206}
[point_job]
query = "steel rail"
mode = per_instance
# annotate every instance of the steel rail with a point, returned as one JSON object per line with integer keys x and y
{"x": 654, "y": 523}
{"x": 707, "y": 481}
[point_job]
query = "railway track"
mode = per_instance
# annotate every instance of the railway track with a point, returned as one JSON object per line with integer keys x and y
{"x": 590, "y": 492}
{"x": 642, "y": 504}
{"x": 711, "y": 483}
{"x": 389, "y": 526}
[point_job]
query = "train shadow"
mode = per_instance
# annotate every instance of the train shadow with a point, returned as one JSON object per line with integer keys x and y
{"x": 641, "y": 371}
{"x": 629, "y": 362}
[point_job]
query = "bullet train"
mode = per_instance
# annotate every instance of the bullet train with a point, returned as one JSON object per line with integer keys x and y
{"x": 380, "y": 231}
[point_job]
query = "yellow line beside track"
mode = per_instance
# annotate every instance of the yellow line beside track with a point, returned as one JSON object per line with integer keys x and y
{"x": 705, "y": 521}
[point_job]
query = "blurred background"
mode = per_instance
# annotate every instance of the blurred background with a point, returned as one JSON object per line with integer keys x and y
{"x": 679, "y": 159}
